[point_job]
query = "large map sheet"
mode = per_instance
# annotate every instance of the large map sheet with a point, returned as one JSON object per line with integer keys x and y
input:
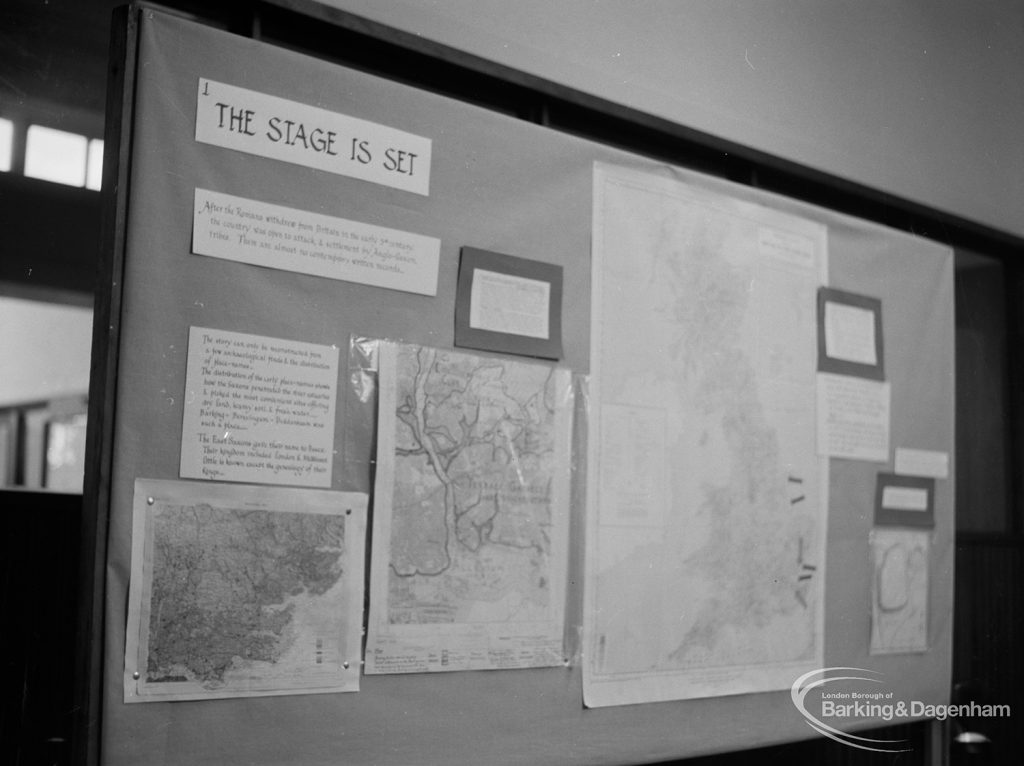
{"x": 471, "y": 510}
{"x": 241, "y": 591}
{"x": 706, "y": 499}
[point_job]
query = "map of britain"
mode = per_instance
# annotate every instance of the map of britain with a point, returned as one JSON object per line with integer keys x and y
{"x": 706, "y": 509}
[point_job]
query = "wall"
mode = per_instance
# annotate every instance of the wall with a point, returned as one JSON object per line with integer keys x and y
{"x": 45, "y": 350}
{"x": 919, "y": 98}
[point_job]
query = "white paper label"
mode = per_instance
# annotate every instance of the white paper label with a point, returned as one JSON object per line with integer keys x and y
{"x": 905, "y": 498}
{"x": 255, "y": 123}
{"x": 787, "y": 247}
{"x": 258, "y": 409}
{"x": 850, "y": 333}
{"x": 922, "y": 462}
{"x": 248, "y": 231}
{"x": 509, "y": 304}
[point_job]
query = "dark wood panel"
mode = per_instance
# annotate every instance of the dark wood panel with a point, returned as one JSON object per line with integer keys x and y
{"x": 106, "y": 337}
{"x": 826, "y": 751}
{"x": 39, "y": 589}
{"x": 989, "y": 636}
{"x": 51, "y": 235}
{"x": 983, "y": 483}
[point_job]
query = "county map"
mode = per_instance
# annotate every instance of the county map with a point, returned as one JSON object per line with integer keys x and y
{"x": 470, "y": 512}
{"x": 239, "y": 600}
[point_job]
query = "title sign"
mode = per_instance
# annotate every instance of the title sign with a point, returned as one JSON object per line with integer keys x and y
{"x": 255, "y": 123}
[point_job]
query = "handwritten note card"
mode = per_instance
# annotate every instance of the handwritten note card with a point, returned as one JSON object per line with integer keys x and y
{"x": 257, "y": 123}
{"x": 248, "y": 231}
{"x": 258, "y": 409}
{"x": 853, "y": 417}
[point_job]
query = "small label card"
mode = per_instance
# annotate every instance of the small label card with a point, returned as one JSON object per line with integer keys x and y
{"x": 905, "y": 501}
{"x": 256, "y": 123}
{"x": 261, "y": 234}
{"x": 508, "y": 304}
{"x": 922, "y": 462}
{"x": 850, "y": 334}
{"x": 258, "y": 410}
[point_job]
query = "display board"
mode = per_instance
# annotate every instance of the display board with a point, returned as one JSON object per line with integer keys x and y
{"x": 279, "y": 207}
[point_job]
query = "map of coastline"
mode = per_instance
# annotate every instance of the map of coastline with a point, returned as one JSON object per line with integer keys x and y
{"x": 245, "y": 597}
{"x": 472, "y": 512}
{"x": 215, "y": 568}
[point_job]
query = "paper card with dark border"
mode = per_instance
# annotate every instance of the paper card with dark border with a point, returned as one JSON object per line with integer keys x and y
{"x": 904, "y": 501}
{"x": 508, "y": 304}
{"x": 850, "y": 334}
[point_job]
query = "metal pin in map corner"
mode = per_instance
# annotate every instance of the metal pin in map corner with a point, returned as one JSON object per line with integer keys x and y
{"x": 136, "y": 675}
{"x": 150, "y": 501}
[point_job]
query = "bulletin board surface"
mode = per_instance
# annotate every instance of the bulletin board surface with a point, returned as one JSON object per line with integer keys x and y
{"x": 508, "y": 187}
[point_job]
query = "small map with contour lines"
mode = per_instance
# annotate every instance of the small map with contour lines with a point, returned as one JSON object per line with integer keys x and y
{"x": 470, "y": 512}
{"x": 242, "y": 591}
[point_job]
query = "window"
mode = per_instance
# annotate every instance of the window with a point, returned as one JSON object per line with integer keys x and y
{"x": 55, "y": 155}
{"x": 6, "y": 144}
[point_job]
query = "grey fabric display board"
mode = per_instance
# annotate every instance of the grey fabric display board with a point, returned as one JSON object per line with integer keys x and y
{"x": 496, "y": 184}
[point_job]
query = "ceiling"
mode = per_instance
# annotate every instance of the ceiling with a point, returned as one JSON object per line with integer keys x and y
{"x": 53, "y": 61}
{"x": 53, "y": 64}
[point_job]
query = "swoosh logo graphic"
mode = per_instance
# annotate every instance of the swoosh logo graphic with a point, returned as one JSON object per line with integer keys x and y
{"x": 816, "y": 679}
